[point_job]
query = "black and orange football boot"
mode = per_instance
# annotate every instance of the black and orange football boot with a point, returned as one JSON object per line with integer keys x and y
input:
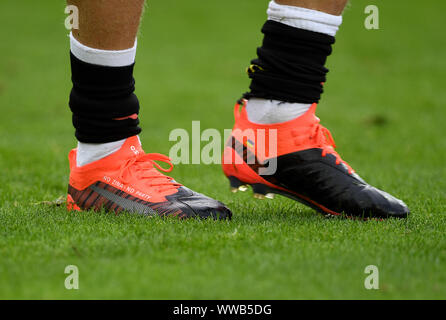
{"x": 297, "y": 159}
{"x": 128, "y": 180}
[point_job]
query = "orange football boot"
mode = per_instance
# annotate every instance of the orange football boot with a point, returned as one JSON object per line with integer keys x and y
{"x": 128, "y": 180}
{"x": 297, "y": 159}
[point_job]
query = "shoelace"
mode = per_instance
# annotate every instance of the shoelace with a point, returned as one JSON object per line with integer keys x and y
{"x": 325, "y": 140}
{"x": 143, "y": 167}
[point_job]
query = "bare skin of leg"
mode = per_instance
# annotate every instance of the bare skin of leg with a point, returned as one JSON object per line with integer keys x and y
{"x": 108, "y": 24}
{"x": 334, "y": 7}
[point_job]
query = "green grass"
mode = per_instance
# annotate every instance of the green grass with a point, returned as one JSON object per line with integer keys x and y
{"x": 190, "y": 66}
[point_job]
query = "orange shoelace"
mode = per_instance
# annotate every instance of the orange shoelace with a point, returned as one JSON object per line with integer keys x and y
{"x": 323, "y": 138}
{"x": 144, "y": 166}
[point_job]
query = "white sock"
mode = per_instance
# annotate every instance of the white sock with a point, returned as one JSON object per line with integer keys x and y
{"x": 108, "y": 58}
{"x": 89, "y": 152}
{"x": 303, "y": 18}
{"x": 264, "y": 111}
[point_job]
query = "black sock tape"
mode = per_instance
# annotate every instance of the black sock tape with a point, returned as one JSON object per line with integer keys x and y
{"x": 291, "y": 64}
{"x": 100, "y": 95}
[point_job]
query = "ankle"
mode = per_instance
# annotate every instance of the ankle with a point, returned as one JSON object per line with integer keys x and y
{"x": 263, "y": 111}
{"x": 90, "y": 152}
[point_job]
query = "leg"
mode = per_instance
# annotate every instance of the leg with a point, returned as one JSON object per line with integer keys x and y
{"x": 314, "y": 24}
{"x": 109, "y": 169}
{"x": 103, "y": 53}
{"x": 287, "y": 79}
{"x": 109, "y": 27}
